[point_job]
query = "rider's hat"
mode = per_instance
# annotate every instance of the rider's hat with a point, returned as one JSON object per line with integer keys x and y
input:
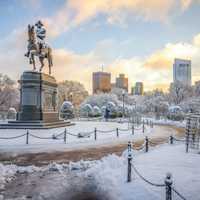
{"x": 39, "y": 23}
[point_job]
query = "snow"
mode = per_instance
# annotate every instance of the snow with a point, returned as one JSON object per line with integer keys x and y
{"x": 8, "y": 172}
{"x": 109, "y": 174}
{"x": 181, "y": 124}
{"x": 17, "y": 146}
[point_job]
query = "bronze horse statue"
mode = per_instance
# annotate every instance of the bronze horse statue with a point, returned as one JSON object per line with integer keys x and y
{"x": 34, "y": 49}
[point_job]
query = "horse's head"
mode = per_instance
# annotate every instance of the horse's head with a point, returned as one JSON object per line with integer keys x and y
{"x": 31, "y": 33}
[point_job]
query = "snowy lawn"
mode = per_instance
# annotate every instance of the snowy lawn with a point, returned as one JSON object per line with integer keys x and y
{"x": 108, "y": 176}
{"x": 19, "y": 145}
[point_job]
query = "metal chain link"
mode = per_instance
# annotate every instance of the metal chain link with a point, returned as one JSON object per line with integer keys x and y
{"x": 128, "y": 129}
{"x": 179, "y": 140}
{"x": 139, "y": 148}
{"x": 7, "y": 138}
{"x": 47, "y": 138}
{"x": 144, "y": 179}
{"x": 58, "y": 135}
{"x": 109, "y": 131}
{"x": 180, "y": 195}
{"x": 72, "y": 134}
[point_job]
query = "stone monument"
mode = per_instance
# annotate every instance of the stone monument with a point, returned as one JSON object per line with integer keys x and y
{"x": 38, "y": 91}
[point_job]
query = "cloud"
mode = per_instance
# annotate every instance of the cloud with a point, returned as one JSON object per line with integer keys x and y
{"x": 155, "y": 70}
{"x": 76, "y": 12}
{"x": 163, "y": 59}
{"x": 196, "y": 40}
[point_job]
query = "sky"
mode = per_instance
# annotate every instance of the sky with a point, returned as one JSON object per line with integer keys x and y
{"x": 137, "y": 37}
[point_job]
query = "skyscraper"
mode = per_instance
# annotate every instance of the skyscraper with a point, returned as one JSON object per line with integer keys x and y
{"x": 122, "y": 82}
{"x": 182, "y": 71}
{"x": 138, "y": 89}
{"x": 101, "y": 82}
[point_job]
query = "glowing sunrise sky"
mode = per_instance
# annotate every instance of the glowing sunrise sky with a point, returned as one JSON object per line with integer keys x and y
{"x": 137, "y": 37}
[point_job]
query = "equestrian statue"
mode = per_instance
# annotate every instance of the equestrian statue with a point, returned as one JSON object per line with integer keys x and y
{"x": 38, "y": 47}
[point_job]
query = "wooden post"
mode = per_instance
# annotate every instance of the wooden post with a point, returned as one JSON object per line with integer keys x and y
{"x": 129, "y": 162}
{"x": 117, "y": 131}
{"x": 146, "y": 144}
{"x": 65, "y": 135}
{"x": 95, "y": 134}
{"x": 27, "y": 137}
{"x": 168, "y": 186}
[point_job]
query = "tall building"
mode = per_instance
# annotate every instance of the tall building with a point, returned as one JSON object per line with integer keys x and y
{"x": 182, "y": 71}
{"x": 101, "y": 82}
{"x": 122, "y": 82}
{"x": 138, "y": 89}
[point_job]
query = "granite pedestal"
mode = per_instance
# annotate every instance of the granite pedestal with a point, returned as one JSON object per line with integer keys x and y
{"x": 38, "y": 103}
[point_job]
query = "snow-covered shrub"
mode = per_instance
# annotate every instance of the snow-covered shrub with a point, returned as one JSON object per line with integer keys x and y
{"x": 67, "y": 110}
{"x": 101, "y": 100}
{"x": 120, "y": 111}
{"x": 175, "y": 113}
{"x": 97, "y": 111}
{"x": 11, "y": 113}
{"x": 86, "y": 110}
{"x": 112, "y": 108}
{"x": 191, "y": 105}
{"x": 126, "y": 110}
{"x": 103, "y": 110}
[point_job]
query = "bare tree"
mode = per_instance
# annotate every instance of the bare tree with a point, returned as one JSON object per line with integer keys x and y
{"x": 178, "y": 92}
{"x": 9, "y": 94}
{"x": 72, "y": 91}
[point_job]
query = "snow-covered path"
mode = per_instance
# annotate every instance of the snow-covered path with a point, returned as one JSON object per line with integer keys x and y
{"x": 107, "y": 177}
{"x": 19, "y": 146}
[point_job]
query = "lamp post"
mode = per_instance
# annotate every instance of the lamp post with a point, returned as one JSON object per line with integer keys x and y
{"x": 123, "y": 95}
{"x": 71, "y": 97}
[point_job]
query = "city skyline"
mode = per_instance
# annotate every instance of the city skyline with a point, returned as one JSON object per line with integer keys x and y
{"x": 132, "y": 37}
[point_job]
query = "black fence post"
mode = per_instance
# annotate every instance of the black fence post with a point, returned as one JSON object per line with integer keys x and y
{"x": 27, "y": 137}
{"x": 151, "y": 124}
{"x": 117, "y": 131}
{"x": 187, "y": 143}
{"x": 133, "y": 129}
{"x": 95, "y": 134}
{"x": 168, "y": 186}
{"x": 187, "y": 135}
{"x": 65, "y": 135}
{"x": 129, "y": 162}
{"x": 146, "y": 144}
{"x": 171, "y": 139}
{"x": 143, "y": 127}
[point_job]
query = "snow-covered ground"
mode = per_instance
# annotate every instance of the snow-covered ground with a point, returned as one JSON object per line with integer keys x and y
{"x": 19, "y": 145}
{"x": 108, "y": 176}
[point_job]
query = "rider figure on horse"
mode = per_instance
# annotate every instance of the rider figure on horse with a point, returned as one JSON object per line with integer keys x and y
{"x": 37, "y": 46}
{"x": 41, "y": 35}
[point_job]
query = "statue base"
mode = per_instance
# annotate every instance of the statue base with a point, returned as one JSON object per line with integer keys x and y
{"x": 38, "y": 103}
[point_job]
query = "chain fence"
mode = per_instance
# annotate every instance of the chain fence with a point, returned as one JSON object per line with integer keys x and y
{"x": 167, "y": 184}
